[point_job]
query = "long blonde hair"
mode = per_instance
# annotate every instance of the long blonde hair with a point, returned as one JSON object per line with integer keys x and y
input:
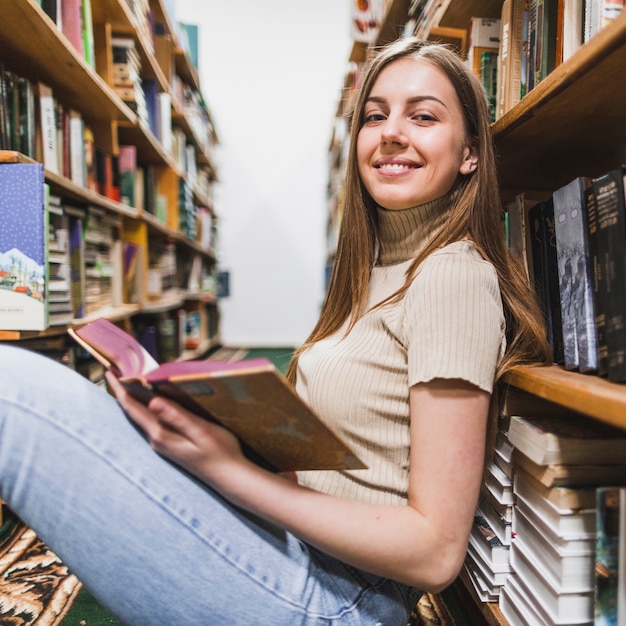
{"x": 476, "y": 214}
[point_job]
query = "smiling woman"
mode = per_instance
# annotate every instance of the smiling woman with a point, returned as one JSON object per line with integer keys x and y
{"x": 425, "y": 311}
{"x": 413, "y": 142}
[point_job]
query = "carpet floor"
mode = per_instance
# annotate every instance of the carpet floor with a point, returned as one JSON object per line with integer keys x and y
{"x": 37, "y": 589}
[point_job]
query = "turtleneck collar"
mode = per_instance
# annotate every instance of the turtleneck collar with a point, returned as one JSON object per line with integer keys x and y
{"x": 403, "y": 233}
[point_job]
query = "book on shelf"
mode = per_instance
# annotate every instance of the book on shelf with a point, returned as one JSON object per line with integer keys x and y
{"x": 610, "y": 584}
{"x": 23, "y": 247}
{"x": 561, "y": 521}
{"x": 499, "y": 484}
{"x": 517, "y": 231}
{"x": 571, "y": 475}
{"x": 72, "y": 24}
{"x": 572, "y": 39}
{"x": 607, "y": 227}
{"x": 545, "y": 271}
{"x": 87, "y": 33}
{"x": 571, "y": 497}
{"x": 569, "y": 562}
{"x": 518, "y": 604}
{"x": 568, "y": 440}
{"x": 554, "y": 603}
{"x": 127, "y": 168}
{"x": 485, "y": 541}
{"x": 578, "y": 316}
{"x": 46, "y": 128}
{"x": 53, "y": 9}
{"x": 77, "y": 259}
{"x": 598, "y": 14}
{"x": 250, "y": 398}
{"x": 510, "y": 58}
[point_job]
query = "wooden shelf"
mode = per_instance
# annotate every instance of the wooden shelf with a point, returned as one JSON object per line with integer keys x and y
{"x": 54, "y": 62}
{"x": 588, "y": 394}
{"x": 458, "y": 14}
{"x": 582, "y": 104}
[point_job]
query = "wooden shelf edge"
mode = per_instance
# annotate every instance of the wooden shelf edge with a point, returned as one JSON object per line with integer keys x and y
{"x": 585, "y": 393}
{"x": 606, "y": 41}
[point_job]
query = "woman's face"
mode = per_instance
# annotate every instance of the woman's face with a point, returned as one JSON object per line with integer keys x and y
{"x": 412, "y": 143}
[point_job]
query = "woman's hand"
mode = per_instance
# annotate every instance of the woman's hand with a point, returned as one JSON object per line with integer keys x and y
{"x": 201, "y": 447}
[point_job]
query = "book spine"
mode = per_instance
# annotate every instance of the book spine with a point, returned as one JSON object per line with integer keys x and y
{"x": 580, "y": 346}
{"x": 608, "y": 514}
{"x": 610, "y": 263}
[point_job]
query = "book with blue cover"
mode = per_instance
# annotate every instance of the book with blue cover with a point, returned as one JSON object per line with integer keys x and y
{"x": 23, "y": 247}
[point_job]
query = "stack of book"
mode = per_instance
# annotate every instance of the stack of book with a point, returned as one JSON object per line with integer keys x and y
{"x": 561, "y": 461}
{"x": 487, "y": 562}
{"x": 127, "y": 76}
{"x": 103, "y": 260}
{"x": 60, "y": 309}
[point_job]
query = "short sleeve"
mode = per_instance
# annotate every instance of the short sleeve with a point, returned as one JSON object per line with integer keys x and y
{"x": 454, "y": 322}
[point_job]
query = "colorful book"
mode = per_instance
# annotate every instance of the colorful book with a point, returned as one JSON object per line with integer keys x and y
{"x": 610, "y": 511}
{"x": 250, "y": 397}
{"x": 23, "y": 247}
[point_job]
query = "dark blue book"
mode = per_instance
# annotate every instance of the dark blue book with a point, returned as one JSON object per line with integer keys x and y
{"x": 545, "y": 272}
{"x": 580, "y": 344}
{"x": 23, "y": 247}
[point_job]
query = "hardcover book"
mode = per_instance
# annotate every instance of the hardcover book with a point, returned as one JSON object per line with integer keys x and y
{"x": 611, "y": 507}
{"x": 568, "y": 440}
{"x": 580, "y": 345}
{"x": 545, "y": 271}
{"x": 23, "y": 247}
{"x": 608, "y": 228}
{"x": 582, "y": 475}
{"x": 276, "y": 428}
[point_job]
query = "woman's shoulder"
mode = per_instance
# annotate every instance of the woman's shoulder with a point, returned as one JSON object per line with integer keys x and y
{"x": 462, "y": 252}
{"x": 455, "y": 266}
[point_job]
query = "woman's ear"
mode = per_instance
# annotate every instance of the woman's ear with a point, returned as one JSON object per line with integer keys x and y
{"x": 470, "y": 161}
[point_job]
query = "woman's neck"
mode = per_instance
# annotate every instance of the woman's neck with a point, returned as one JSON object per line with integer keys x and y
{"x": 403, "y": 233}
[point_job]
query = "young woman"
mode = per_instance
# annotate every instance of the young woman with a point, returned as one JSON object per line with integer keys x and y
{"x": 161, "y": 516}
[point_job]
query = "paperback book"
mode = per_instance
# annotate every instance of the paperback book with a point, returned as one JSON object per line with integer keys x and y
{"x": 276, "y": 428}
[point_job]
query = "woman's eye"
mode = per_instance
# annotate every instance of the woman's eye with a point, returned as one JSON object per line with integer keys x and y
{"x": 373, "y": 117}
{"x": 424, "y": 117}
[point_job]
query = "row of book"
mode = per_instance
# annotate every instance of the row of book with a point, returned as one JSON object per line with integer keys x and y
{"x": 515, "y": 52}
{"x": 536, "y": 36}
{"x": 548, "y": 542}
{"x": 33, "y": 122}
{"x": 572, "y": 245}
{"x": 60, "y": 261}
{"x": 74, "y": 19}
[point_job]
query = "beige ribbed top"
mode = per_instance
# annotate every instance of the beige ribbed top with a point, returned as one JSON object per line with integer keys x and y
{"x": 450, "y": 324}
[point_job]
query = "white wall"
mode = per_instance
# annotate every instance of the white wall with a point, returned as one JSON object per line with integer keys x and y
{"x": 272, "y": 72}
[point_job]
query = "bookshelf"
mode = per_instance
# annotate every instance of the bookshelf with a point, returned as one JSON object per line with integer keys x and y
{"x": 572, "y": 123}
{"x": 32, "y": 47}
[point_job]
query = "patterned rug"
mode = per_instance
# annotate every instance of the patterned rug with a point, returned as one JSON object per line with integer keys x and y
{"x": 35, "y": 586}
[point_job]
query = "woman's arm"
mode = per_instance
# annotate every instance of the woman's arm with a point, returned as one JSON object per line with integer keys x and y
{"x": 422, "y": 544}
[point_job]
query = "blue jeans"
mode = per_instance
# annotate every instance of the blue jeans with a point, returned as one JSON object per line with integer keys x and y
{"x": 151, "y": 543}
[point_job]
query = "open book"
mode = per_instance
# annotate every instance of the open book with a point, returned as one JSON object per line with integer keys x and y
{"x": 251, "y": 398}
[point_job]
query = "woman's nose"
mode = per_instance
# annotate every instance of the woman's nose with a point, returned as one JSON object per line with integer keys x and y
{"x": 392, "y": 131}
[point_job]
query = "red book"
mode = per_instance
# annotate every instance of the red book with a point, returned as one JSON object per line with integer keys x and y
{"x": 72, "y": 23}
